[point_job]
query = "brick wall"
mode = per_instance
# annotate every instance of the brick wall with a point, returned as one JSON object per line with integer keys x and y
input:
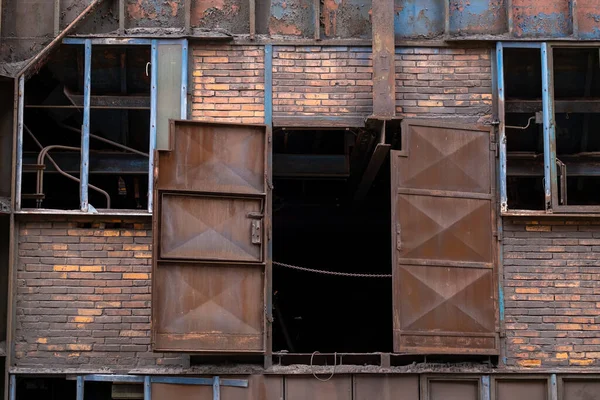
{"x": 444, "y": 82}
{"x": 84, "y": 294}
{"x": 228, "y": 83}
{"x": 327, "y": 80}
{"x": 552, "y": 293}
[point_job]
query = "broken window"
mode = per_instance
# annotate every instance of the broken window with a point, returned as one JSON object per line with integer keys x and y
{"x": 548, "y": 151}
{"x": 92, "y": 118}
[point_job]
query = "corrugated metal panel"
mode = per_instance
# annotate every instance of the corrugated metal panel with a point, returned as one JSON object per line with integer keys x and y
{"x": 209, "y": 203}
{"x": 478, "y": 17}
{"x": 346, "y": 18}
{"x": 443, "y": 276}
{"x": 535, "y": 18}
{"x": 307, "y": 387}
{"x": 419, "y": 18}
{"x": 386, "y": 387}
{"x": 260, "y": 387}
{"x": 588, "y": 18}
{"x": 520, "y": 389}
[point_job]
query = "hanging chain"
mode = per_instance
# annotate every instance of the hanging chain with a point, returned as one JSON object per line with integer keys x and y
{"x": 334, "y": 273}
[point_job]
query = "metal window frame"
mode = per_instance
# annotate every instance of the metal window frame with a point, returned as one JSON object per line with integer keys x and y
{"x": 88, "y": 44}
{"x": 550, "y": 382}
{"x": 483, "y": 384}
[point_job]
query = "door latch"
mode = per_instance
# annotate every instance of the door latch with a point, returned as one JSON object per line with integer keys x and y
{"x": 256, "y": 232}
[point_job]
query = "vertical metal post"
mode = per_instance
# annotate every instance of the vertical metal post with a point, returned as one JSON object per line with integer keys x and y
{"x": 268, "y": 359}
{"x": 13, "y": 387}
{"x": 268, "y": 84}
{"x": 184, "y": 78}
{"x": 85, "y": 130}
{"x": 147, "y": 388}
{"x": 574, "y": 18}
{"x": 56, "y": 17}
{"x": 485, "y": 387}
{"x": 384, "y": 74}
{"x": 447, "y": 18}
{"x": 19, "y": 155}
{"x": 121, "y": 17}
{"x": 553, "y": 388}
{"x": 153, "y": 114}
{"x": 216, "y": 388}
{"x": 550, "y": 174}
{"x": 252, "y": 5}
{"x": 501, "y": 126}
{"x": 187, "y": 5}
{"x": 80, "y": 387}
{"x": 317, "y": 18}
{"x": 509, "y": 16}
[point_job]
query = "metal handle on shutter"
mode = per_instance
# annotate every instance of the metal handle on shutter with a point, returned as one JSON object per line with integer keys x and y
{"x": 398, "y": 237}
{"x": 256, "y": 233}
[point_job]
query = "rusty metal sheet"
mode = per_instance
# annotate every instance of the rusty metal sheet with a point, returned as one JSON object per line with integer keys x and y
{"x": 588, "y": 19}
{"x": 386, "y": 387}
{"x": 419, "y": 18}
{"x": 291, "y": 17}
{"x": 307, "y": 387}
{"x": 230, "y": 15}
{"x": 478, "y": 17}
{"x": 154, "y": 13}
{"x": 347, "y": 18}
{"x": 384, "y": 81}
{"x": 511, "y": 389}
{"x": 209, "y": 228}
{"x": 535, "y": 18}
{"x": 579, "y": 389}
{"x": 216, "y": 308}
{"x": 209, "y": 207}
{"x": 455, "y": 389}
{"x": 444, "y": 253}
{"x": 216, "y": 158}
{"x": 260, "y": 387}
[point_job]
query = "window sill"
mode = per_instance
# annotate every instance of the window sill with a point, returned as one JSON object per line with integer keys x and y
{"x": 544, "y": 214}
{"x": 99, "y": 212}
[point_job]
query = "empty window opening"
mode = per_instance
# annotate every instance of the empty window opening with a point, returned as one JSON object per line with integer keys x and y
{"x": 577, "y": 113}
{"x": 524, "y": 129}
{"x": 318, "y": 223}
{"x": 119, "y": 129}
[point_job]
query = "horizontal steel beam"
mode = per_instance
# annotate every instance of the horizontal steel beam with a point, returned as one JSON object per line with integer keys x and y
{"x": 315, "y": 121}
{"x": 285, "y": 165}
{"x": 574, "y": 106}
{"x": 116, "y": 102}
{"x": 520, "y": 166}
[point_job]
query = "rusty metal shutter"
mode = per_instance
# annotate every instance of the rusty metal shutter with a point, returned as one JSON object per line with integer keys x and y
{"x": 208, "y": 282}
{"x": 445, "y": 254}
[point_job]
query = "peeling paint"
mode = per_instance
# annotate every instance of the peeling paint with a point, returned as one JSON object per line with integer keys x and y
{"x": 154, "y": 13}
{"x": 588, "y": 16}
{"x": 419, "y": 18}
{"x": 346, "y": 18}
{"x": 232, "y": 16}
{"x": 533, "y": 18}
{"x": 291, "y": 17}
{"x": 478, "y": 17}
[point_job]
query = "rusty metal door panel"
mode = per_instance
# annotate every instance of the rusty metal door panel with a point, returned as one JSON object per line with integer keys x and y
{"x": 444, "y": 157}
{"x": 444, "y": 254}
{"x": 209, "y": 228}
{"x": 209, "y": 308}
{"x": 260, "y": 387}
{"x": 444, "y": 228}
{"x": 455, "y": 389}
{"x": 214, "y": 158}
{"x": 579, "y": 389}
{"x": 209, "y": 252}
{"x": 386, "y": 387}
{"x": 516, "y": 389}
{"x": 307, "y": 387}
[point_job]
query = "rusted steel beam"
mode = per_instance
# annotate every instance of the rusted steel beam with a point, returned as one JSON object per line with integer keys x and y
{"x": 575, "y": 106}
{"x": 56, "y": 17}
{"x": 38, "y": 61}
{"x": 252, "y": 4}
{"x": 188, "y": 15}
{"x": 384, "y": 83}
{"x": 317, "y": 16}
{"x": 122, "y": 17}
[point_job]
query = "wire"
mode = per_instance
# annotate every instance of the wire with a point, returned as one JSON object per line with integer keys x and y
{"x": 521, "y": 127}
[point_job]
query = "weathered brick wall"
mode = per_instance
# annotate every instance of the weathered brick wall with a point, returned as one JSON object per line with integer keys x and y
{"x": 444, "y": 82}
{"x": 228, "y": 83}
{"x": 552, "y": 293}
{"x": 322, "y": 80}
{"x": 84, "y": 294}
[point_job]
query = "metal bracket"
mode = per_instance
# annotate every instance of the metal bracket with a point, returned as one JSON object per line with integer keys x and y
{"x": 256, "y": 232}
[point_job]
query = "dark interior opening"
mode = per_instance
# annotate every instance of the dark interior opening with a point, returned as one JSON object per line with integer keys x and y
{"x": 577, "y": 113}
{"x": 34, "y": 388}
{"x": 317, "y": 224}
{"x": 119, "y": 129}
{"x": 524, "y": 129}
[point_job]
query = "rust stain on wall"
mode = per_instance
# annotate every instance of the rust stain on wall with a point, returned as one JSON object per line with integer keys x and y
{"x": 203, "y": 6}
{"x": 230, "y": 15}
{"x": 535, "y": 18}
{"x": 290, "y": 17}
{"x": 588, "y": 16}
{"x": 346, "y": 18}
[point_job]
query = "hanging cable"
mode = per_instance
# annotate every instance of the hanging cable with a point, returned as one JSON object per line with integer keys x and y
{"x": 522, "y": 127}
